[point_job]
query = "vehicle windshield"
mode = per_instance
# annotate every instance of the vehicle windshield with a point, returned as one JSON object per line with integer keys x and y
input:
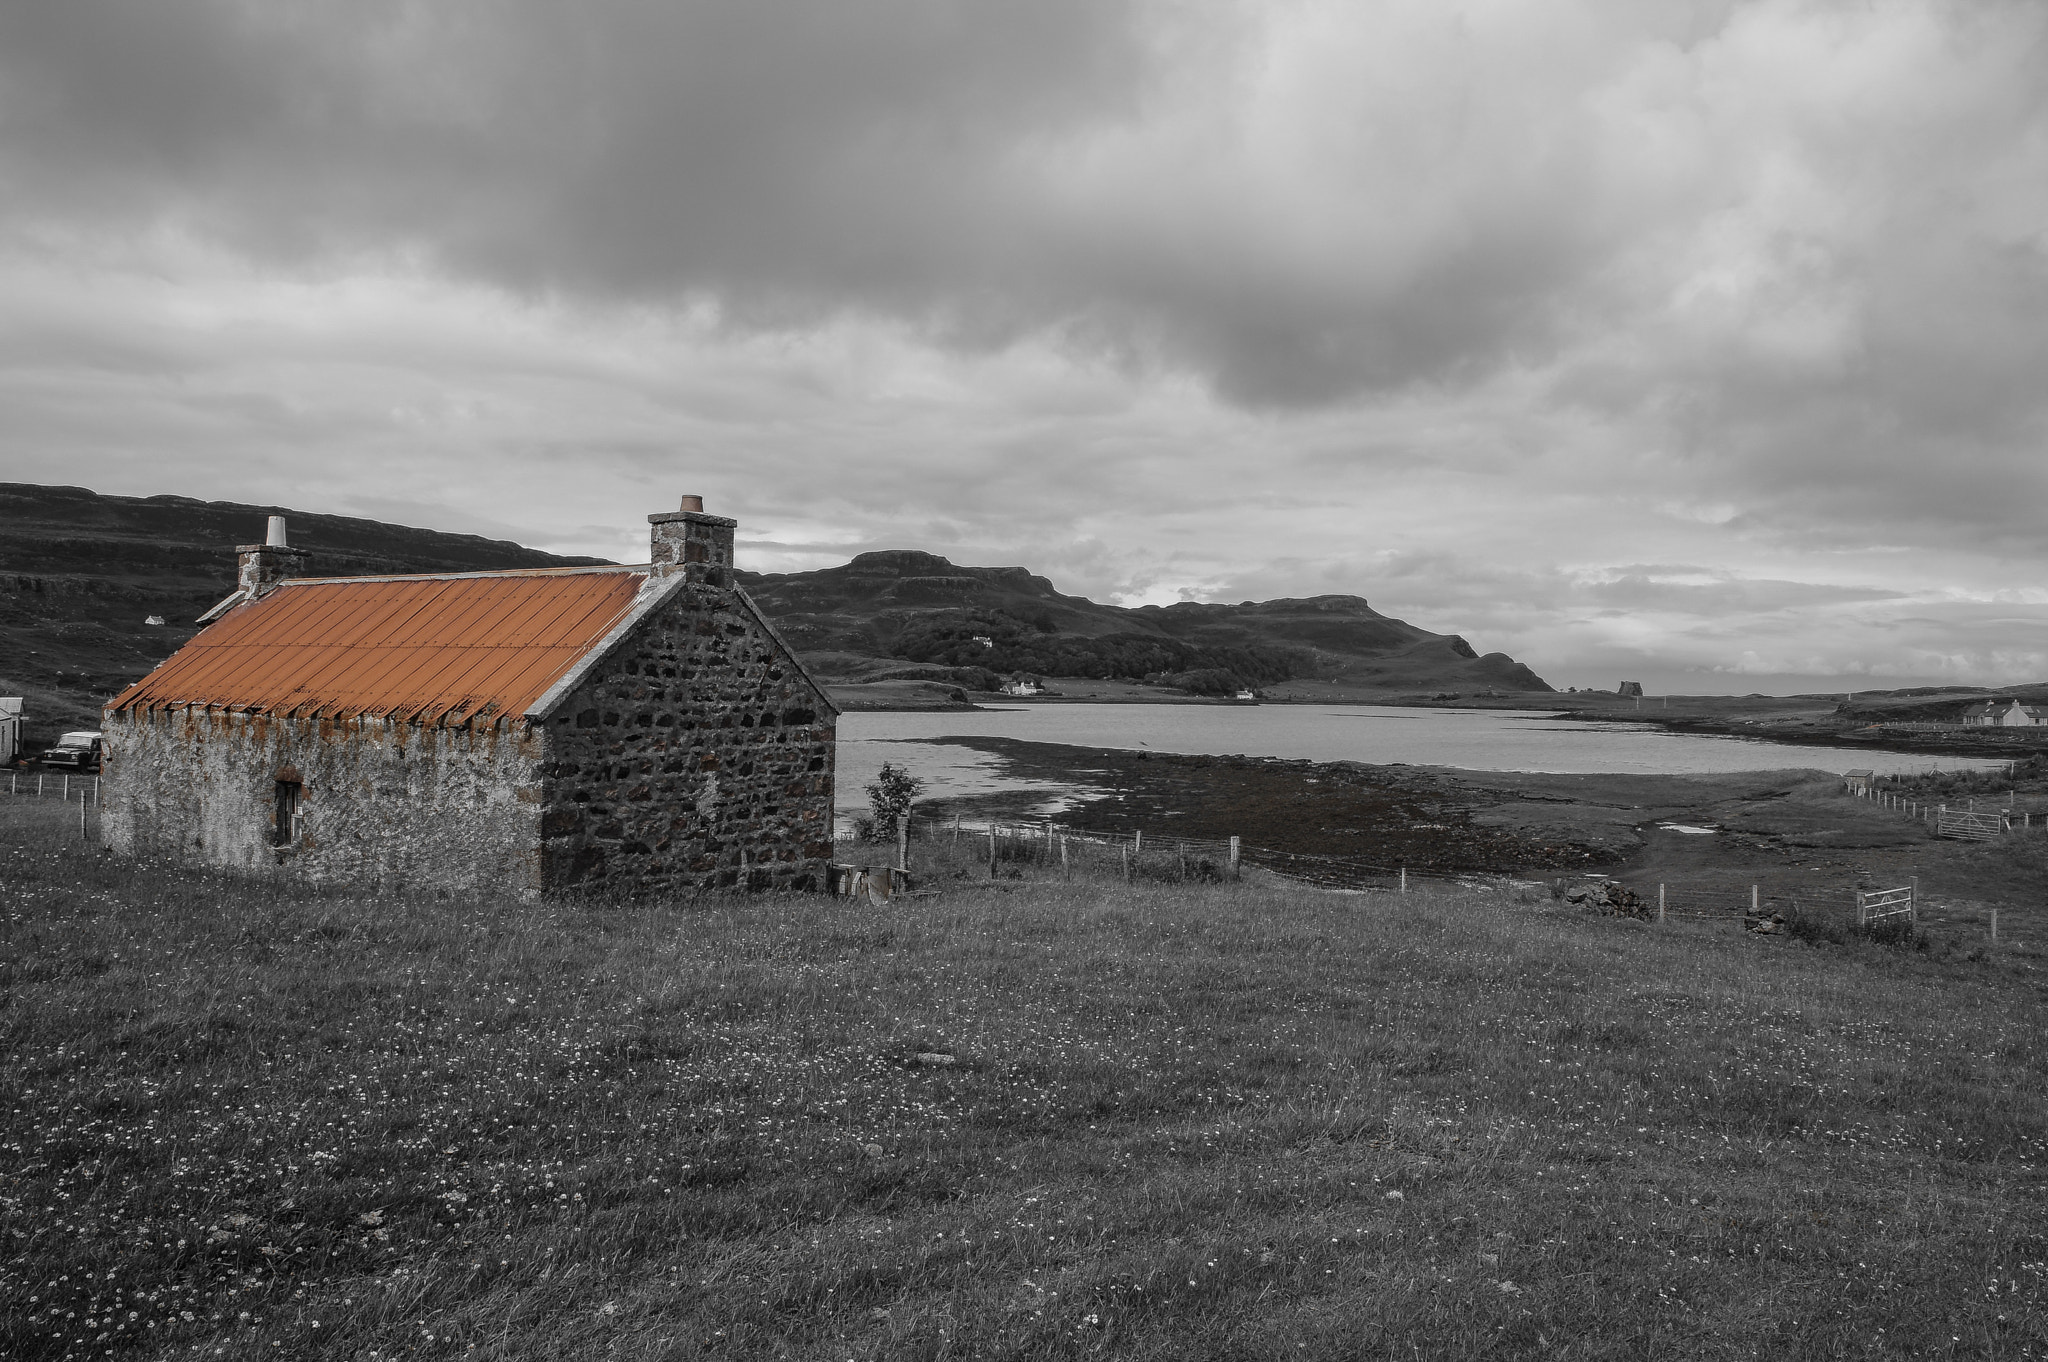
{"x": 78, "y": 740}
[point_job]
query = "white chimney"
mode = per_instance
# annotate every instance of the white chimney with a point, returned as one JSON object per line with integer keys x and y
{"x": 275, "y": 539}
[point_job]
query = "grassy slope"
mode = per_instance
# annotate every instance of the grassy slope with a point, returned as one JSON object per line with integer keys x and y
{"x": 1239, "y": 1121}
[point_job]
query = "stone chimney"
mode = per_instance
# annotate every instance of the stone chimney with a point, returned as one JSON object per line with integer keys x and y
{"x": 695, "y": 544}
{"x": 260, "y": 567}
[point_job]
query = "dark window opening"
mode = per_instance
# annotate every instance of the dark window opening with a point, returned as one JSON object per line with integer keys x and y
{"x": 286, "y": 829}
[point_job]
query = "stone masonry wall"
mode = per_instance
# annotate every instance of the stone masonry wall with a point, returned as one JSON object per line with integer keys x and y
{"x": 696, "y": 756}
{"x": 381, "y": 804}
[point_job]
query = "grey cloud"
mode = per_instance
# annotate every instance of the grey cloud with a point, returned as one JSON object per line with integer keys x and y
{"x": 1421, "y": 202}
{"x": 797, "y": 155}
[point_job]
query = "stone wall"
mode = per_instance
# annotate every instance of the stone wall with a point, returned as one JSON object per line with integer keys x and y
{"x": 696, "y": 755}
{"x": 382, "y": 804}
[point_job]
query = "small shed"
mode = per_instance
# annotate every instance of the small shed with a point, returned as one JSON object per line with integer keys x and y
{"x": 10, "y": 729}
{"x": 622, "y": 728}
{"x": 1858, "y": 781}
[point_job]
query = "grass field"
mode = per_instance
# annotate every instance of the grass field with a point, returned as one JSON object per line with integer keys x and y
{"x": 1016, "y": 1120}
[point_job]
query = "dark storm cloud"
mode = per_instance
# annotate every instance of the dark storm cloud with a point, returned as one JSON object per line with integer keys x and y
{"x": 797, "y": 155}
{"x": 1297, "y": 216}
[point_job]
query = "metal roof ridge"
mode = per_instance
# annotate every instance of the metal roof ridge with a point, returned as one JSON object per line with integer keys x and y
{"x": 641, "y": 569}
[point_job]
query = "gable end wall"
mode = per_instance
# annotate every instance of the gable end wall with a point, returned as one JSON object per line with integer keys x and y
{"x": 694, "y": 754}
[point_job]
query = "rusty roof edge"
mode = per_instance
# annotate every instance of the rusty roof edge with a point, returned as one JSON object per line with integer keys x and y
{"x": 761, "y": 617}
{"x": 648, "y": 602}
{"x": 640, "y": 568}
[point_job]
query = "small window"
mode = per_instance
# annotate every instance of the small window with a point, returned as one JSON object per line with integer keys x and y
{"x": 286, "y": 828}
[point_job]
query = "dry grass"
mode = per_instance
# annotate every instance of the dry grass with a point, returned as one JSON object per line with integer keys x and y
{"x": 1182, "y": 1121}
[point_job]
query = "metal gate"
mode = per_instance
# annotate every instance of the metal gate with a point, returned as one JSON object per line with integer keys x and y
{"x": 1873, "y": 904}
{"x": 1974, "y": 827}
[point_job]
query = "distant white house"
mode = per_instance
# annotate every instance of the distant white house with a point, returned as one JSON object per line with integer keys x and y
{"x": 2005, "y": 713}
{"x": 983, "y": 640}
{"x": 1023, "y": 685}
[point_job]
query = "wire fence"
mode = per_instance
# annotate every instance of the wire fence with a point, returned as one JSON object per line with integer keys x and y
{"x": 81, "y": 790}
{"x": 1054, "y": 848}
{"x": 1137, "y": 853}
{"x": 1046, "y": 845}
{"x": 62, "y": 785}
{"x": 1965, "y": 821}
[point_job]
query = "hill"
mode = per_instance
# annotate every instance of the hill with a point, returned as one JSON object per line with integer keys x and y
{"x": 82, "y": 572}
{"x": 904, "y": 613}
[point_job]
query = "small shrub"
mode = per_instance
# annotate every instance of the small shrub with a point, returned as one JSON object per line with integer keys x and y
{"x": 1815, "y": 928}
{"x": 1897, "y": 931}
{"x": 890, "y": 795}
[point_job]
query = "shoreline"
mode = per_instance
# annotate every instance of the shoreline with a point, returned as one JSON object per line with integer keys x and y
{"x": 1792, "y": 832}
{"x": 1790, "y": 720}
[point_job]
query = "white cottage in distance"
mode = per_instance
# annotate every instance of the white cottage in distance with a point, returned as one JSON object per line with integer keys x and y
{"x": 2005, "y": 712}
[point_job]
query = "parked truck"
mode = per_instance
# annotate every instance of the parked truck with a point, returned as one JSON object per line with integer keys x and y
{"x": 74, "y": 752}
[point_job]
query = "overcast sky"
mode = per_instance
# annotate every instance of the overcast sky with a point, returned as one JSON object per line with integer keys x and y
{"x": 1702, "y": 343}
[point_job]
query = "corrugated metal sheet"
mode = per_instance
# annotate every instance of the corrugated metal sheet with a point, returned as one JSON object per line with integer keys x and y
{"x": 439, "y": 650}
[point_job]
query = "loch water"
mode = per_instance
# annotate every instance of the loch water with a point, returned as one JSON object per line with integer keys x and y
{"x": 1475, "y": 740}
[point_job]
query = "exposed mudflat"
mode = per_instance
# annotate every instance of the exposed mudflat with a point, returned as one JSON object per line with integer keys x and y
{"x": 1793, "y": 833}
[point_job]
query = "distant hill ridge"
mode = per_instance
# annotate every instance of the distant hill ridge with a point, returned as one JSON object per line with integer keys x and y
{"x": 908, "y": 606}
{"x": 80, "y": 572}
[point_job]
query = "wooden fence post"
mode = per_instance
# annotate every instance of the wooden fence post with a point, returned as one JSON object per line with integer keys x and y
{"x": 1404, "y": 879}
{"x": 1994, "y": 924}
{"x": 1860, "y": 911}
{"x": 1753, "y": 909}
{"x": 1234, "y": 873}
{"x": 1126, "y": 849}
{"x": 903, "y": 843}
{"x": 1063, "y": 855}
{"x": 1138, "y": 842}
{"x": 1660, "y": 903}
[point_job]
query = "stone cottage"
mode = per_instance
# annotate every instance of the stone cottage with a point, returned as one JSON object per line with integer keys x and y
{"x": 623, "y": 729}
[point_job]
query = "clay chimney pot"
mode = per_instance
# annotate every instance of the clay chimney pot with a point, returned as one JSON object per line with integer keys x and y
{"x": 692, "y": 504}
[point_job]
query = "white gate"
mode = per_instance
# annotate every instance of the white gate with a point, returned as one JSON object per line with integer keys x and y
{"x": 1974, "y": 827}
{"x": 1882, "y": 903}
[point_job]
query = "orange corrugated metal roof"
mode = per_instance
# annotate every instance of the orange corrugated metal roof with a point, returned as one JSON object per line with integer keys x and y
{"x": 435, "y": 649}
